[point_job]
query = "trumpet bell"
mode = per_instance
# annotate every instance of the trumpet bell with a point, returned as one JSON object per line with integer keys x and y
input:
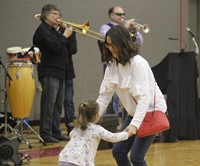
{"x": 146, "y": 28}
{"x": 85, "y": 27}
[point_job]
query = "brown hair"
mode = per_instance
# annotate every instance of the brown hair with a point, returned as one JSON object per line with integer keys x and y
{"x": 87, "y": 109}
{"x": 111, "y": 10}
{"x": 122, "y": 40}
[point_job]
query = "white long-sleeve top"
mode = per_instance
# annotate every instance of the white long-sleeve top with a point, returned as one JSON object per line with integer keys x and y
{"x": 134, "y": 80}
{"x": 82, "y": 147}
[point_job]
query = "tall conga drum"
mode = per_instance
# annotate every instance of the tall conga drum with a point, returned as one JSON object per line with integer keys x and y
{"x": 13, "y": 52}
{"x": 33, "y": 55}
{"x": 21, "y": 89}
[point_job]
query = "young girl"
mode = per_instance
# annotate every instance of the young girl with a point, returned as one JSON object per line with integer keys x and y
{"x": 85, "y": 137}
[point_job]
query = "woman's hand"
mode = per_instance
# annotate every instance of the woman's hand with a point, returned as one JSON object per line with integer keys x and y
{"x": 132, "y": 130}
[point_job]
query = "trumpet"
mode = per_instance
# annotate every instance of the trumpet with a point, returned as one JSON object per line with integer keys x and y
{"x": 83, "y": 29}
{"x": 145, "y": 27}
{"x": 134, "y": 26}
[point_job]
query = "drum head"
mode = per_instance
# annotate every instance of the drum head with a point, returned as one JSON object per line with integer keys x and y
{"x": 13, "y": 50}
{"x": 24, "y": 50}
{"x": 36, "y": 49}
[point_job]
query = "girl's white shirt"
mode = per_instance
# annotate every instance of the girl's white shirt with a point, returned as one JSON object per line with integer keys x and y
{"x": 82, "y": 147}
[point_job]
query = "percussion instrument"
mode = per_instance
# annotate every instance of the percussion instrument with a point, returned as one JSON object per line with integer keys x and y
{"x": 21, "y": 89}
{"x": 13, "y": 52}
{"x": 27, "y": 54}
{"x": 37, "y": 55}
{"x": 31, "y": 54}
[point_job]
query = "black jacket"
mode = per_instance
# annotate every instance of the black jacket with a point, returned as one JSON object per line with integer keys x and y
{"x": 53, "y": 50}
{"x": 72, "y": 49}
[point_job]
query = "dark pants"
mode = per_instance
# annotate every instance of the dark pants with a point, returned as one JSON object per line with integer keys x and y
{"x": 113, "y": 107}
{"x": 69, "y": 103}
{"x": 51, "y": 106}
{"x": 137, "y": 146}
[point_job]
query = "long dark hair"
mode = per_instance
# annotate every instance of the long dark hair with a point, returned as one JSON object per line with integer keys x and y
{"x": 87, "y": 110}
{"x": 122, "y": 40}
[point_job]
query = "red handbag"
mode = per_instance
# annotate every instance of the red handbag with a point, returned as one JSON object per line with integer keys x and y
{"x": 154, "y": 122}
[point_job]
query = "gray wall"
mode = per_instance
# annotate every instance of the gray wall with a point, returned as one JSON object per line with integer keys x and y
{"x": 18, "y": 26}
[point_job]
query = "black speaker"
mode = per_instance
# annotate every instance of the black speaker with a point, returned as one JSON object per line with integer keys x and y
{"x": 109, "y": 122}
{"x": 9, "y": 151}
{"x": 10, "y": 120}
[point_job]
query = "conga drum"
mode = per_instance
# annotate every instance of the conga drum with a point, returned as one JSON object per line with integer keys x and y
{"x": 32, "y": 55}
{"x": 37, "y": 55}
{"x": 13, "y": 52}
{"x": 27, "y": 55}
{"x": 21, "y": 89}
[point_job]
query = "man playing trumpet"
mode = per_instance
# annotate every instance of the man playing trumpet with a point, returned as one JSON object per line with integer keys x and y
{"x": 117, "y": 16}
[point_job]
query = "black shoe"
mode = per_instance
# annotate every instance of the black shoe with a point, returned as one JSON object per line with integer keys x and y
{"x": 69, "y": 131}
{"x": 51, "y": 140}
{"x": 61, "y": 137}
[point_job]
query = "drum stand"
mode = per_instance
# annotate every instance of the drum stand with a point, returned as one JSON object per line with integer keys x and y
{"x": 5, "y": 125}
{"x": 19, "y": 126}
{"x": 18, "y": 130}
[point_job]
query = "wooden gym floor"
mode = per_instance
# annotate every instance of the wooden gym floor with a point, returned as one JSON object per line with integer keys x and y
{"x": 181, "y": 153}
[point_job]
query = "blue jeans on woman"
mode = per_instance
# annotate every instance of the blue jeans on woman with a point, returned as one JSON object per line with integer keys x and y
{"x": 137, "y": 146}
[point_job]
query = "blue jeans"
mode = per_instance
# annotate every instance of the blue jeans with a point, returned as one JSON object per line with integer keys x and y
{"x": 137, "y": 146}
{"x": 51, "y": 106}
{"x": 113, "y": 107}
{"x": 69, "y": 103}
{"x": 115, "y": 104}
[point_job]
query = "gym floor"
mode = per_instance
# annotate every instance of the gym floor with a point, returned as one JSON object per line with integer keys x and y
{"x": 35, "y": 153}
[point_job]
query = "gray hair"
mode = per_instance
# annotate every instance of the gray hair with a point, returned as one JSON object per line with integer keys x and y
{"x": 46, "y": 9}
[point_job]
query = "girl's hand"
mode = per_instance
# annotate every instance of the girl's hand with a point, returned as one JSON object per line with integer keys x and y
{"x": 131, "y": 129}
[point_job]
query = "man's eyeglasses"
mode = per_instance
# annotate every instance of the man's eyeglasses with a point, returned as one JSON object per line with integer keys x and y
{"x": 120, "y": 14}
{"x": 55, "y": 13}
